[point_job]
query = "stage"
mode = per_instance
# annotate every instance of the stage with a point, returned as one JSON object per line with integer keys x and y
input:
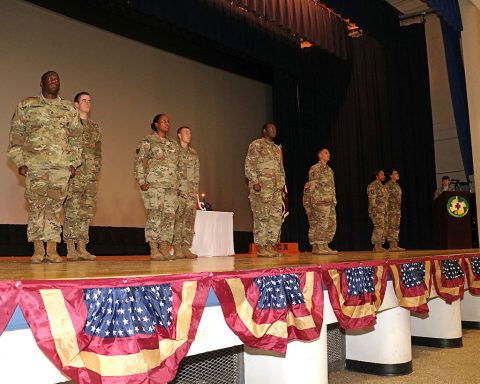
{"x": 19, "y": 268}
{"x": 217, "y": 303}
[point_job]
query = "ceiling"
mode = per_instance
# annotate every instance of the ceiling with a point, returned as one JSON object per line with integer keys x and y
{"x": 410, "y": 7}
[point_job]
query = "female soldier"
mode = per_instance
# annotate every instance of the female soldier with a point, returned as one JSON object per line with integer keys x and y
{"x": 156, "y": 164}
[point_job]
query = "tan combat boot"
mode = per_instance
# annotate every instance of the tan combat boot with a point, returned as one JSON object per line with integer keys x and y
{"x": 314, "y": 247}
{"x": 71, "y": 251}
{"x": 38, "y": 253}
{"x": 378, "y": 248}
{"x": 154, "y": 254}
{"x": 274, "y": 251}
{"x": 330, "y": 250}
{"x": 263, "y": 251}
{"x": 187, "y": 253}
{"x": 178, "y": 252}
{"x": 82, "y": 252}
{"x": 165, "y": 251}
{"x": 52, "y": 255}
{"x": 321, "y": 249}
{"x": 395, "y": 248}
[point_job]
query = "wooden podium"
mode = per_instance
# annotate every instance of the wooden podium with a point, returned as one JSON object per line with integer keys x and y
{"x": 452, "y": 228}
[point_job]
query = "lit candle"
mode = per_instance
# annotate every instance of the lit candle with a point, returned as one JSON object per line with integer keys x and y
{"x": 203, "y": 197}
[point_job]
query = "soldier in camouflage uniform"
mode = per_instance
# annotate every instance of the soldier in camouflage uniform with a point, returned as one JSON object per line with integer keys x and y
{"x": 446, "y": 186}
{"x": 189, "y": 177}
{"x": 156, "y": 171}
{"x": 44, "y": 145}
{"x": 266, "y": 179}
{"x": 82, "y": 189}
{"x": 377, "y": 206}
{"x": 323, "y": 202}
{"x": 394, "y": 206}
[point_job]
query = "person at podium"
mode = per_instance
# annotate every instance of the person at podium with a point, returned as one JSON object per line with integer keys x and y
{"x": 446, "y": 186}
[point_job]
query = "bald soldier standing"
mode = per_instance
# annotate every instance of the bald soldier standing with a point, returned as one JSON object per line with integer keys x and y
{"x": 44, "y": 145}
{"x": 266, "y": 179}
{"x": 82, "y": 189}
{"x": 323, "y": 201}
{"x": 377, "y": 205}
{"x": 189, "y": 178}
{"x": 394, "y": 207}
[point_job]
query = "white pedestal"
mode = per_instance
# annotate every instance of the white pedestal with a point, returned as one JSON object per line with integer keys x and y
{"x": 384, "y": 349}
{"x": 304, "y": 362}
{"x": 23, "y": 362}
{"x": 470, "y": 310}
{"x": 441, "y": 327}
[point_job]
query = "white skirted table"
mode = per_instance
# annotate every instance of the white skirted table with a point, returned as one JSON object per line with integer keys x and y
{"x": 213, "y": 234}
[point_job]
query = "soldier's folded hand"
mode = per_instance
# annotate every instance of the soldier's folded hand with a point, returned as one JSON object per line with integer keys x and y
{"x": 144, "y": 187}
{"x": 257, "y": 187}
{"x": 23, "y": 170}
{"x": 72, "y": 171}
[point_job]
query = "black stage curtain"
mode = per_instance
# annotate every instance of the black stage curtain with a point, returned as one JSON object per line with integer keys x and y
{"x": 371, "y": 112}
{"x": 302, "y": 18}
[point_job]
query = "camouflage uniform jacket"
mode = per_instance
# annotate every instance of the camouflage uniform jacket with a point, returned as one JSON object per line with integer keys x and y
{"x": 307, "y": 203}
{"x": 322, "y": 183}
{"x": 440, "y": 190}
{"x": 188, "y": 170}
{"x": 377, "y": 197}
{"x": 264, "y": 165}
{"x": 394, "y": 196}
{"x": 91, "y": 150}
{"x": 156, "y": 162}
{"x": 45, "y": 134}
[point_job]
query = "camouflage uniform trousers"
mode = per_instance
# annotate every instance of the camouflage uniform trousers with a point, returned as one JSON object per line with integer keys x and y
{"x": 393, "y": 226}
{"x": 185, "y": 219}
{"x": 324, "y": 224}
{"x": 267, "y": 215}
{"x": 45, "y": 191}
{"x": 312, "y": 229}
{"x": 379, "y": 227}
{"x": 79, "y": 208}
{"x": 161, "y": 205}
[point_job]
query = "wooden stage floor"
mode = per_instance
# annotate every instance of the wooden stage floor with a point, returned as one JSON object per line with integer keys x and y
{"x": 19, "y": 268}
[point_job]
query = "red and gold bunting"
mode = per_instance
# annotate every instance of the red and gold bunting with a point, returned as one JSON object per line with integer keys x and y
{"x": 9, "y": 292}
{"x": 472, "y": 269}
{"x": 412, "y": 296}
{"x": 116, "y": 330}
{"x": 449, "y": 288}
{"x": 266, "y": 309}
{"x": 355, "y": 309}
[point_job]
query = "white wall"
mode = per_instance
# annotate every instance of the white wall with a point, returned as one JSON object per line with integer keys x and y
{"x": 129, "y": 82}
{"x": 448, "y": 159}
